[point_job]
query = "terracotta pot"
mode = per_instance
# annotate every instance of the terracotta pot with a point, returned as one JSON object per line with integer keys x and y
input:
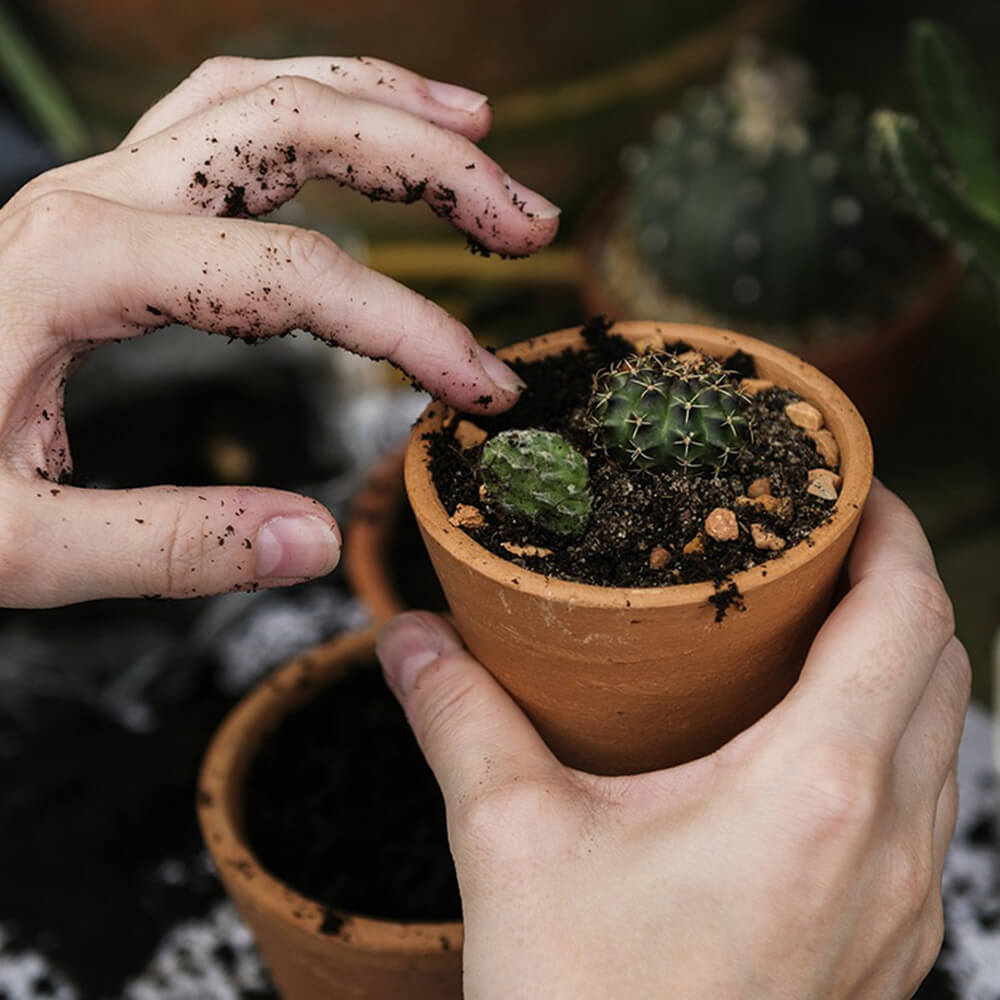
{"x": 622, "y": 680}
{"x": 368, "y": 538}
{"x": 366, "y": 958}
{"x": 903, "y": 345}
{"x": 384, "y": 561}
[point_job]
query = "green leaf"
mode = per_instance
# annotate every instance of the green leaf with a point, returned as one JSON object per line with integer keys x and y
{"x": 955, "y": 107}
{"x": 899, "y": 145}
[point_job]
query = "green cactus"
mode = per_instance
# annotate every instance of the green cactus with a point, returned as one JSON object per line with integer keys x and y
{"x": 657, "y": 411}
{"x": 947, "y": 169}
{"x": 538, "y": 475}
{"x": 755, "y": 199}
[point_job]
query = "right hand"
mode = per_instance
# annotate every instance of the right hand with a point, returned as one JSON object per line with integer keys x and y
{"x": 802, "y": 861}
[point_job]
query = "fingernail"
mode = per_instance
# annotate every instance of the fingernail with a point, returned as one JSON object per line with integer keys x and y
{"x": 296, "y": 548}
{"x": 499, "y": 374}
{"x": 530, "y": 202}
{"x": 456, "y": 98}
{"x": 405, "y": 646}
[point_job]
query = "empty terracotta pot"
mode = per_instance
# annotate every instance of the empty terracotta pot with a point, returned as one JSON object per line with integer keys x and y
{"x": 624, "y": 680}
{"x": 362, "y": 958}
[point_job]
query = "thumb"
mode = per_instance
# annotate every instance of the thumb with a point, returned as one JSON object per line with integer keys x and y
{"x": 73, "y": 544}
{"x": 474, "y": 736}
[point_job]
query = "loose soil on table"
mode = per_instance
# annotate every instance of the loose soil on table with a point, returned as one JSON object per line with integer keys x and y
{"x": 341, "y": 806}
{"x": 635, "y": 511}
{"x": 89, "y": 814}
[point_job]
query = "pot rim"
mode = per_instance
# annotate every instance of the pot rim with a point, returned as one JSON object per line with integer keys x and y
{"x": 220, "y": 798}
{"x": 856, "y": 471}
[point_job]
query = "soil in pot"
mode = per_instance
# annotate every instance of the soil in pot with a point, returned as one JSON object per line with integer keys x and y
{"x": 646, "y": 529}
{"x": 341, "y": 806}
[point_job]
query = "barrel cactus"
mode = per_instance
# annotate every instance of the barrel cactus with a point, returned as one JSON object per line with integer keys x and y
{"x": 946, "y": 164}
{"x": 755, "y": 199}
{"x": 657, "y": 411}
{"x": 539, "y": 476}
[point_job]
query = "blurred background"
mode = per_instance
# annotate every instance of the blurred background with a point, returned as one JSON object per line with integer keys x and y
{"x": 711, "y": 158}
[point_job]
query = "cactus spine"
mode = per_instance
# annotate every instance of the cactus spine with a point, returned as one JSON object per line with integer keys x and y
{"x": 947, "y": 168}
{"x": 656, "y": 411}
{"x": 538, "y": 475}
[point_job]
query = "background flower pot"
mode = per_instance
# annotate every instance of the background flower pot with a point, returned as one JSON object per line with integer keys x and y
{"x": 623, "y": 680}
{"x": 385, "y": 561}
{"x": 363, "y": 958}
{"x": 369, "y": 535}
{"x": 611, "y": 281}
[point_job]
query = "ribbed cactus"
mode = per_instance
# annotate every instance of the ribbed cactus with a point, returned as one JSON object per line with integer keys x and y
{"x": 656, "y": 411}
{"x": 538, "y": 475}
{"x": 947, "y": 168}
{"x": 755, "y": 198}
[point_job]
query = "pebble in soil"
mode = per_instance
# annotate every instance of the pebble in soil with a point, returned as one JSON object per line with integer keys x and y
{"x": 637, "y": 512}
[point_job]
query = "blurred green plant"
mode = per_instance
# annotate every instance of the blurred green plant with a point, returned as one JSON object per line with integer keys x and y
{"x": 946, "y": 164}
{"x": 755, "y": 198}
{"x": 38, "y": 91}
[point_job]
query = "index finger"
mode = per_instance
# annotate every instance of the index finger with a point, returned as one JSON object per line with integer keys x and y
{"x": 873, "y": 658}
{"x": 216, "y": 80}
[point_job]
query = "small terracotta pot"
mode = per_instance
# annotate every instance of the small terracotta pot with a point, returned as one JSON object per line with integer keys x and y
{"x": 366, "y": 958}
{"x": 623, "y": 680}
{"x": 368, "y": 538}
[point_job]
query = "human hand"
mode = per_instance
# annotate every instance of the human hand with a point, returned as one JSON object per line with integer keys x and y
{"x": 802, "y": 860}
{"x": 119, "y": 244}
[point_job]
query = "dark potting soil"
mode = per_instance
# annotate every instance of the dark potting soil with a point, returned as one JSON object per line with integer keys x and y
{"x": 635, "y": 511}
{"x": 341, "y": 806}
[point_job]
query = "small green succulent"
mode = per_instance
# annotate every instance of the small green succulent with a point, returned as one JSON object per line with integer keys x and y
{"x": 946, "y": 165}
{"x": 540, "y": 476}
{"x": 657, "y": 411}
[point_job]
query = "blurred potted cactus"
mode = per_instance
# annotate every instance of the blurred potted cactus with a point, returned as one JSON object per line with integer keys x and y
{"x": 643, "y": 548}
{"x": 946, "y": 164}
{"x": 754, "y": 205}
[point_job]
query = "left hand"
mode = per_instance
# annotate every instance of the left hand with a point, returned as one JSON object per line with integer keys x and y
{"x": 122, "y": 243}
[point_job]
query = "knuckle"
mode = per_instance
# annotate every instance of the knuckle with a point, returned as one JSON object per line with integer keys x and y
{"x": 443, "y": 702}
{"x": 922, "y": 595}
{"x": 314, "y": 256}
{"x": 912, "y": 880}
{"x": 960, "y": 670}
{"x": 54, "y": 211}
{"x": 290, "y": 93}
{"x": 525, "y": 806}
{"x": 847, "y": 784}
{"x": 215, "y": 69}
{"x": 179, "y": 552}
